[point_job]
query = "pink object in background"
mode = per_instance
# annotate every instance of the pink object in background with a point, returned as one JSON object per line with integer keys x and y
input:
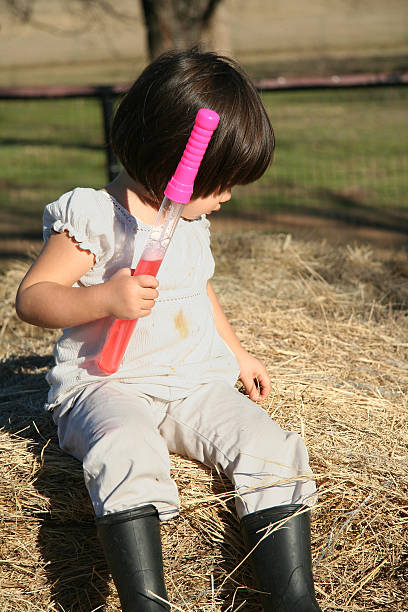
{"x": 177, "y": 193}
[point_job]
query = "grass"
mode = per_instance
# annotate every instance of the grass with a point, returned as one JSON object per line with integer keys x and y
{"x": 49, "y": 146}
{"x": 339, "y": 144}
{"x": 339, "y": 153}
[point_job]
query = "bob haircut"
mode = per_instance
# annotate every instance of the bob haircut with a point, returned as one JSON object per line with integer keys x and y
{"x": 154, "y": 120}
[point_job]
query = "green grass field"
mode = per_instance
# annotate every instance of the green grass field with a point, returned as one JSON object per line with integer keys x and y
{"x": 339, "y": 152}
{"x": 338, "y": 147}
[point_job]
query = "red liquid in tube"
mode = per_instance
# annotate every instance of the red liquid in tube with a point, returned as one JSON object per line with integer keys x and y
{"x": 121, "y": 331}
{"x": 147, "y": 266}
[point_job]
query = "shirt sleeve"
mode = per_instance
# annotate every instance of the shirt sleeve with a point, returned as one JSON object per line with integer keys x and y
{"x": 77, "y": 213}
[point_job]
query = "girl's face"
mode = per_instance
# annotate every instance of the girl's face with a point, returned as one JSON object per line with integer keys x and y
{"x": 205, "y": 206}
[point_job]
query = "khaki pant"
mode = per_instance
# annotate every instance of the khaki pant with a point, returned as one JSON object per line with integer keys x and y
{"x": 123, "y": 439}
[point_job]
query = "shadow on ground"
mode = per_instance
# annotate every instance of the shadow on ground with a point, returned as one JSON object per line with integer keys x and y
{"x": 343, "y": 222}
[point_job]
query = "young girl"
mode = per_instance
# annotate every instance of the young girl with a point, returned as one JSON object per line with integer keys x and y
{"x": 175, "y": 389}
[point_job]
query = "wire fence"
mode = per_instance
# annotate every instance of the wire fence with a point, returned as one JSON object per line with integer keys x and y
{"x": 341, "y": 143}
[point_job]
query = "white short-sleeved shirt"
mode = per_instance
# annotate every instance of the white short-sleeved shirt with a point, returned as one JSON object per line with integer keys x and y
{"x": 177, "y": 346}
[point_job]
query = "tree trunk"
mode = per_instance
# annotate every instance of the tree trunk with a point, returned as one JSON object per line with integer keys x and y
{"x": 176, "y": 24}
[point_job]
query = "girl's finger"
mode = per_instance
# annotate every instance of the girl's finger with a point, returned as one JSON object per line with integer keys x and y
{"x": 263, "y": 385}
{"x": 250, "y": 387}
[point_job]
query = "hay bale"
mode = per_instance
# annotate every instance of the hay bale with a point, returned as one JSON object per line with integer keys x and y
{"x": 330, "y": 322}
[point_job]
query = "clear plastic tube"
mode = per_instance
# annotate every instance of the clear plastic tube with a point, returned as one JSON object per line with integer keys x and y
{"x": 149, "y": 263}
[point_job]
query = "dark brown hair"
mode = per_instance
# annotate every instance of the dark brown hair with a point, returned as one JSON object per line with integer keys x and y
{"x": 154, "y": 120}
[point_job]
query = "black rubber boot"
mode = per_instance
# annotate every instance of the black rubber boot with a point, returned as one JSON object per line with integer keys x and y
{"x": 132, "y": 546}
{"x": 282, "y": 561}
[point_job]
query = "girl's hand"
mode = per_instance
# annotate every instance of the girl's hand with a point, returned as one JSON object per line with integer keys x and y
{"x": 130, "y": 297}
{"x": 253, "y": 375}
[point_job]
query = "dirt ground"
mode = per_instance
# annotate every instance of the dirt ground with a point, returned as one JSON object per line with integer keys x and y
{"x": 307, "y": 227}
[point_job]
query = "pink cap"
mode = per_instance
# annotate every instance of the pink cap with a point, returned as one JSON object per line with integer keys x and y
{"x": 181, "y": 185}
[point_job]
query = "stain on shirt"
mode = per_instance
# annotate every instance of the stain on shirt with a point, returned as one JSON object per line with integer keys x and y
{"x": 180, "y": 323}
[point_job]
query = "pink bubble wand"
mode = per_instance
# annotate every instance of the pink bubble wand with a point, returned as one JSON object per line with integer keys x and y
{"x": 177, "y": 193}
